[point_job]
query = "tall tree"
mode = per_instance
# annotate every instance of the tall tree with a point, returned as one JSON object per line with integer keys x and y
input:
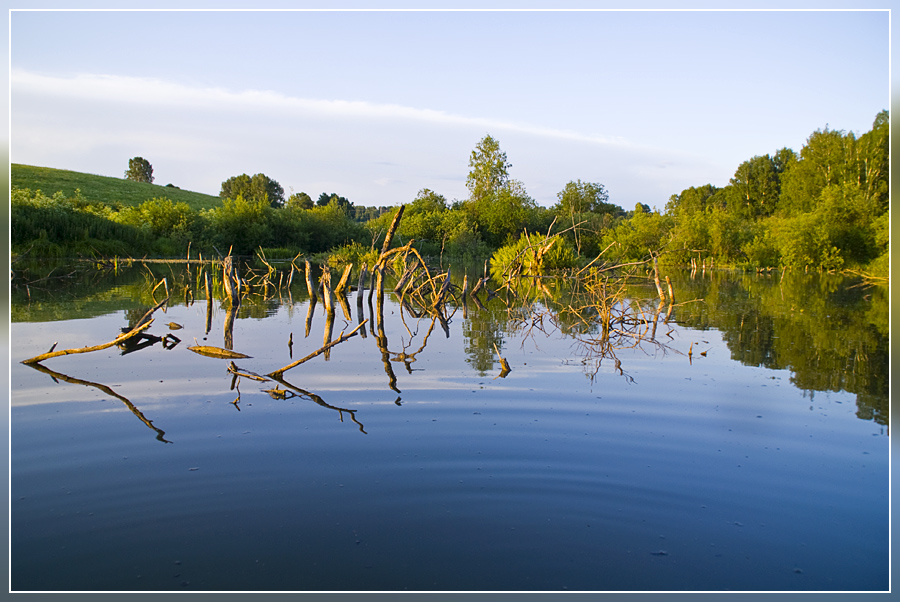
{"x": 584, "y": 197}
{"x": 755, "y": 187}
{"x": 823, "y": 161}
{"x": 253, "y": 188}
{"x": 873, "y": 161}
{"x": 498, "y": 205}
{"x": 139, "y": 170}
{"x": 488, "y": 169}
{"x": 579, "y": 206}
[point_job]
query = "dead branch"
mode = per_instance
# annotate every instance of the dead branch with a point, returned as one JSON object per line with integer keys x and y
{"x": 142, "y": 325}
{"x": 343, "y": 337}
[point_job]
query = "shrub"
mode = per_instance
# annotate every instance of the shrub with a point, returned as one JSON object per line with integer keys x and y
{"x": 534, "y": 255}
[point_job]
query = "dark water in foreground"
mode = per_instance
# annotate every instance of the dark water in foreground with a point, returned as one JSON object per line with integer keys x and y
{"x": 760, "y": 462}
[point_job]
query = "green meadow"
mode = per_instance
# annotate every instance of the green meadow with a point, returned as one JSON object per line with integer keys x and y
{"x": 104, "y": 189}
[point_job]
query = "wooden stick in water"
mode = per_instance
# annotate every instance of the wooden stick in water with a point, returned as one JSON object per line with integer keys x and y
{"x": 343, "y": 337}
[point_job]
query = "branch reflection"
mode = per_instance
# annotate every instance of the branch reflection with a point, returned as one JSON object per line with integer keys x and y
{"x": 313, "y": 397}
{"x": 57, "y": 376}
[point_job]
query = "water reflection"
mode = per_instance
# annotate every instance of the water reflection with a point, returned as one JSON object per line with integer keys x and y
{"x": 830, "y": 331}
{"x": 58, "y": 376}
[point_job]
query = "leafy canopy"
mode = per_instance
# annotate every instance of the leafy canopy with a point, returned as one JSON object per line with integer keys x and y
{"x": 139, "y": 170}
{"x": 257, "y": 188}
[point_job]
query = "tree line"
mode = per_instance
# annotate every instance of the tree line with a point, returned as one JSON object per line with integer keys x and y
{"x": 825, "y": 207}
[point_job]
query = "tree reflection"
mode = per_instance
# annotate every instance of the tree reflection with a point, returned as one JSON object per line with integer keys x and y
{"x": 835, "y": 338}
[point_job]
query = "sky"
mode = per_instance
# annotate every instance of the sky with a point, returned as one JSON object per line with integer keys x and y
{"x": 378, "y": 105}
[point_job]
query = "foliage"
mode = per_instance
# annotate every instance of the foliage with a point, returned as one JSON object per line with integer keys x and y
{"x": 533, "y": 255}
{"x": 824, "y": 208}
{"x": 260, "y": 187}
{"x": 427, "y": 201}
{"x": 161, "y": 216}
{"x": 299, "y": 200}
{"x": 636, "y": 238}
{"x": 139, "y": 170}
{"x": 488, "y": 170}
{"x": 241, "y": 224}
{"x": 325, "y": 199}
{"x": 584, "y": 212}
{"x": 59, "y": 226}
{"x": 579, "y": 197}
{"x": 329, "y": 227}
{"x": 354, "y": 253}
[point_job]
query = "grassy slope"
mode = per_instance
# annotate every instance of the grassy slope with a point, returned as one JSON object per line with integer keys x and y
{"x": 102, "y": 188}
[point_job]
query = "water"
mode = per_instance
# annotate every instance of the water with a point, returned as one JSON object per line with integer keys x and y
{"x": 760, "y": 465}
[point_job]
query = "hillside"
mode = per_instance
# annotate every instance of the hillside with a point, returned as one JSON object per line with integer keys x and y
{"x": 103, "y": 188}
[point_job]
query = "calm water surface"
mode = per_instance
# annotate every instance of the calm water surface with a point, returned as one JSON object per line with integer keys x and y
{"x": 758, "y": 462}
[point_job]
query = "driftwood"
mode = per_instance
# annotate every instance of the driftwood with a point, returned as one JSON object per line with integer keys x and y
{"x": 326, "y": 290}
{"x": 343, "y": 337}
{"x": 216, "y": 352}
{"x": 142, "y": 325}
{"x": 659, "y": 289}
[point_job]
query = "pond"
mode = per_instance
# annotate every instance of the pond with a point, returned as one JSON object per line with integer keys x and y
{"x": 737, "y": 439}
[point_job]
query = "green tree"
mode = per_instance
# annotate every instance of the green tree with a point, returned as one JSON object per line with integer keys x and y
{"x": 326, "y": 199}
{"x": 499, "y": 206}
{"x": 579, "y": 206}
{"x": 427, "y": 201}
{"x": 691, "y": 200}
{"x": 579, "y": 197}
{"x": 488, "y": 169}
{"x": 643, "y": 233}
{"x": 873, "y": 162}
{"x": 823, "y": 160}
{"x": 257, "y": 188}
{"x": 300, "y": 200}
{"x": 139, "y": 170}
{"x": 755, "y": 187}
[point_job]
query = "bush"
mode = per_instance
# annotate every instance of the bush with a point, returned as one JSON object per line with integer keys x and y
{"x": 352, "y": 254}
{"x": 534, "y": 255}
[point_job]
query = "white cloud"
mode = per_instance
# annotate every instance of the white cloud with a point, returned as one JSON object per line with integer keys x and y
{"x": 374, "y": 154}
{"x": 115, "y": 89}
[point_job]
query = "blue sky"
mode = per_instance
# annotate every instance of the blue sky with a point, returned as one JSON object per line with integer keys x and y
{"x": 378, "y": 105}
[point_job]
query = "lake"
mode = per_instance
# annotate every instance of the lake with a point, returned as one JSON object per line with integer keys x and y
{"x": 737, "y": 439}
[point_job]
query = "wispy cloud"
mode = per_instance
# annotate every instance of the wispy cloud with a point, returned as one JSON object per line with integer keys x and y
{"x": 123, "y": 90}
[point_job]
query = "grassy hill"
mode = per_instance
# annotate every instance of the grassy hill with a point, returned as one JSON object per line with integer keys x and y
{"x": 103, "y": 188}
